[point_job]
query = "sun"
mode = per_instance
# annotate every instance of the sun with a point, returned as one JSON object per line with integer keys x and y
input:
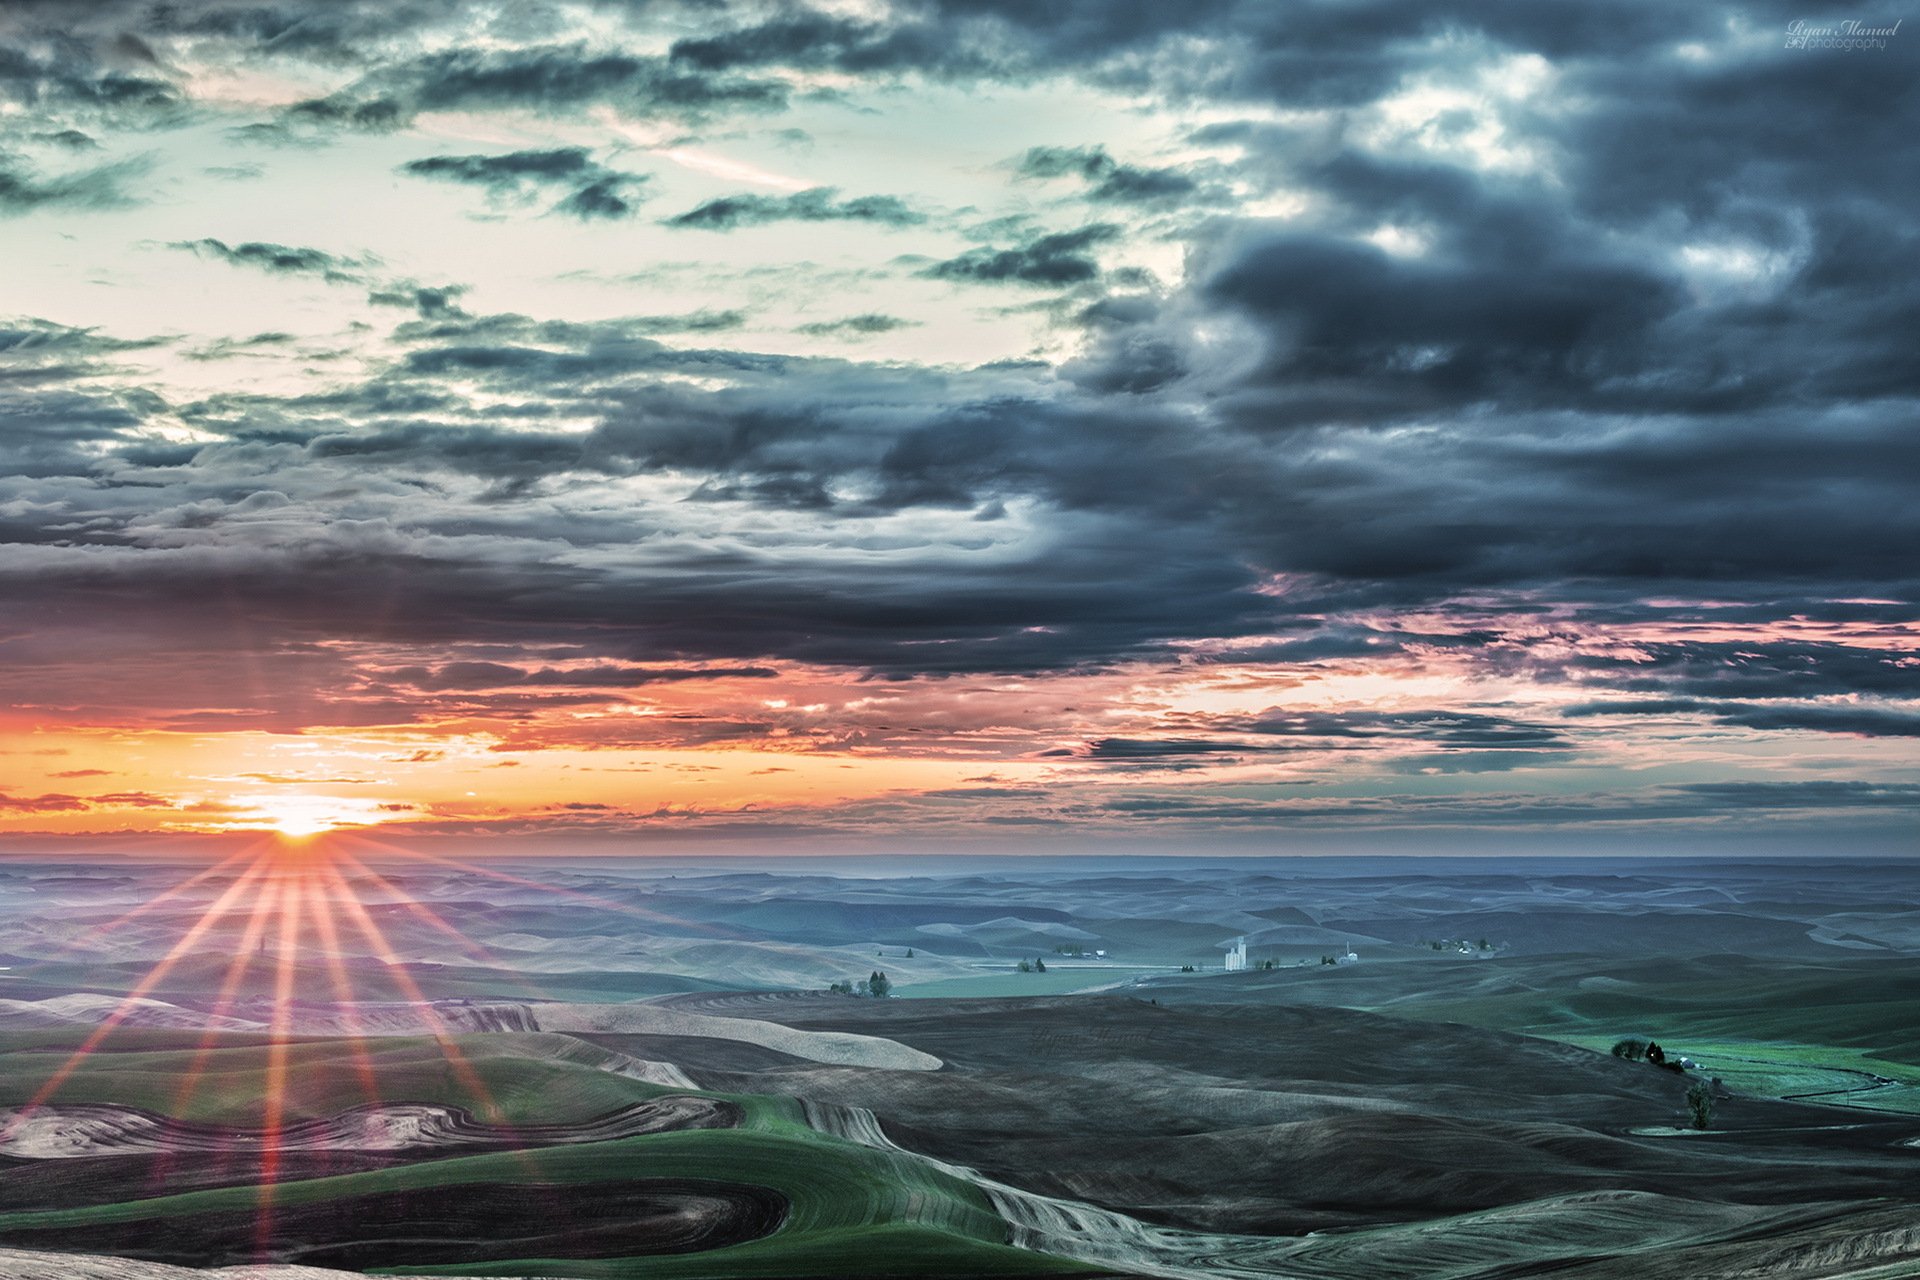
{"x": 297, "y": 817}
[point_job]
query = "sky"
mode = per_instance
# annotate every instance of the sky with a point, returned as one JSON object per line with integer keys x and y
{"x": 968, "y": 425}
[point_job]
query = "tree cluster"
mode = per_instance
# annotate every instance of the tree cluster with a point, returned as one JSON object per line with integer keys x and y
{"x": 874, "y": 984}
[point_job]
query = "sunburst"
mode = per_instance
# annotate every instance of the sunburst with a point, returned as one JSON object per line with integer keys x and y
{"x": 290, "y": 907}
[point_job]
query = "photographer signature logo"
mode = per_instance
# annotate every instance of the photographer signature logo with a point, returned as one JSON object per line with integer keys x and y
{"x": 1851, "y": 34}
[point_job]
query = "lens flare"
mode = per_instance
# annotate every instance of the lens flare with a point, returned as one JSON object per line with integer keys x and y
{"x": 291, "y": 911}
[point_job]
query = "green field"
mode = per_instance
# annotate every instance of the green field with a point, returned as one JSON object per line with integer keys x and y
{"x": 1802, "y": 1072}
{"x": 539, "y": 1079}
{"x": 1801, "y": 1032}
{"x": 854, "y": 1210}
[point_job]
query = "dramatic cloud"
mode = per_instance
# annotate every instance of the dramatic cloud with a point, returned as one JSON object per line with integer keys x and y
{"x": 279, "y": 259}
{"x": 1850, "y": 718}
{"x": 817, "y": 204}
{"x": 590, "y": 189}
{"x": 23, "y": 190}
{"x": 116, "y": 80}
{"x": 1105, "y": 178}
{"x": 1061, "y": 258}
{"x": 861, "y": 326}
{"x": 546, "y": 78}
{"x": 1223, "y": 419}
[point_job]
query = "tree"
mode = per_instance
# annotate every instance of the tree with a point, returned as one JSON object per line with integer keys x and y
{"x": 1025, "y": 966}
{"x": 909, "y": 953}
{"x": 879, "y": 984}
{"x": 1700, "y": 1103}
{"x": 841, "y": 988}
{"x": 1631, "y": 1050}
{"x": 1039, "y": 965}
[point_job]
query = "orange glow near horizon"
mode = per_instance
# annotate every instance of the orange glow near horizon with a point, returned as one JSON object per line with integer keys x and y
{"x": 86, "y": 781}
{"x": 814, "y": 753}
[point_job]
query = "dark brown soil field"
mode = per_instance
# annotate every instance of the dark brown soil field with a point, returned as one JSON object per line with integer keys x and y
{"x": 1282, "y": 1120}
{"x": 474, "y": 1223}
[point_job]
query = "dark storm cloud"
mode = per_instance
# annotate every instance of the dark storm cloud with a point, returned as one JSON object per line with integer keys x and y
{"x": 493, "y": 577}
{"x": 1422, "y": 521}
{"x": 1059, "y": 258}
{"x": 1528, "y": 501}
{"x": 817, "y": 204}
{"x": 279, "y": 259}
{"x": 1414, "y": 519}
{"x": 1357, "y": 334}
{"x": 980, "y": 615}
{"x": 1326, "y": 56}
{"x": 1105, "y": 178}
{"x": 591, "y": 189}
{"x": 57, "y": 432}
{"x": 1124, "y": 352}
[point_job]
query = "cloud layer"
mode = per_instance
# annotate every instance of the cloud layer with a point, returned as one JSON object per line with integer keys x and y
{"x": 1401, "y": 419}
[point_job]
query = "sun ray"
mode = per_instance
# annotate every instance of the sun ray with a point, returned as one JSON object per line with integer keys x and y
{"x": 442, "y": 1034}
{"x": 237, "y": 968}
{"x": 605, "y": 904}
{"x": 475, "y": 950}
{"x": 158, "y": 900}
{"x": 328, "y": 931}
{"x": 120, "y": 1012}
{"x": 274, "y": 1103}
{"x": 705, "y": 928}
